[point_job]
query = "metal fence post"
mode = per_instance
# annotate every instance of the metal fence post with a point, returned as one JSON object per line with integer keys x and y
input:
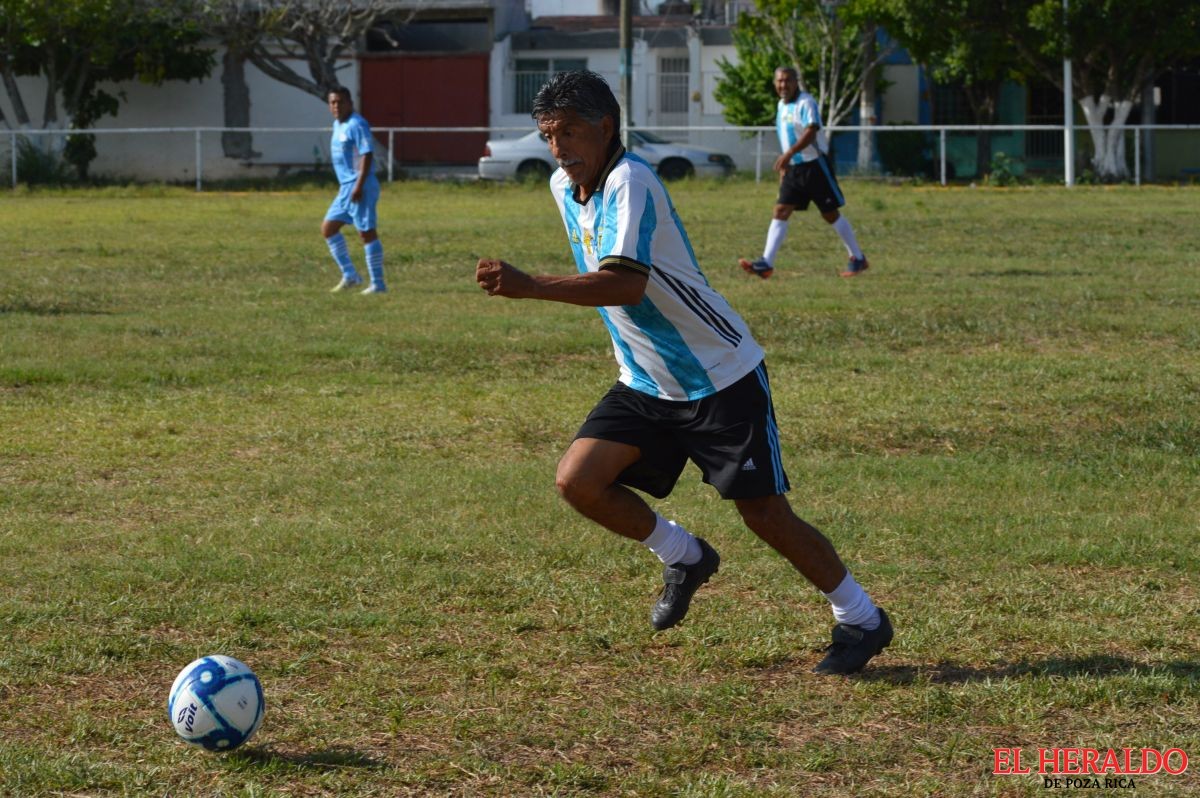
{"x": 14, "y": 158}
{"x": 391, "y": 153}
{"x": 758, "y": 157}
{"x": 942, "y": 151}
{"x": 199, "y": 164}
{"x": 1137, "y": 156}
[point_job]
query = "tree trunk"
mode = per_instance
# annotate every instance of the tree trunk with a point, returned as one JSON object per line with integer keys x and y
{"x": 50, "y": 108}
{"x": 983, "y": 98}
{"x": 983, "y": 153}
{"x": 866, "y": 105}
{"x": 274, "y": 67}
{"x": 1108, "y": 141}
{"x": 236, "y": 144}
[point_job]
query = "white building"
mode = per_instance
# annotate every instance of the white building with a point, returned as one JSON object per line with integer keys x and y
{"x": 456, "y": 63}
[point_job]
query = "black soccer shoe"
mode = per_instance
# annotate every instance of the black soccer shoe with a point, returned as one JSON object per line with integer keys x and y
{"x": 679, "y": 583}
{"x": 853, "y": 647}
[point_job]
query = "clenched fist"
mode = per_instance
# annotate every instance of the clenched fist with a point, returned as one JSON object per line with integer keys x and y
{"x": 499, "y": 278}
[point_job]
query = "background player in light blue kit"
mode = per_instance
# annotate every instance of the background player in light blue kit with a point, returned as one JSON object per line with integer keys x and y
{"x": 693, "y": 384}
{"x": 353, "y": 155}
{"x": 805, "y": 175}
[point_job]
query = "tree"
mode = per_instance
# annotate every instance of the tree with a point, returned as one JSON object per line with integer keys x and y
{"x": 829, "y": 42}
{"x": 274, "y": 34}
{"x": 237, "y": 24}
{"x": 318, "y": 32}
{"x": 1116, "y": 48}
{"x": 965, "y": 48}
{"x": 746, "y": 89}
{"x": 79, "y": 46}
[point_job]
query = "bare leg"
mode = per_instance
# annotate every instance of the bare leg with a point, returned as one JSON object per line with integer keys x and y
{"x": 810, "y": 552}
{"x": 587, "y": 480}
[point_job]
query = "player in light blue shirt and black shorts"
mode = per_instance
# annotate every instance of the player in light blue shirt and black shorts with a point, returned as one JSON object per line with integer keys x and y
{"x": 352, "y": 152}
{"x": 692, "y": 385}
{"x": 805, "y": 175}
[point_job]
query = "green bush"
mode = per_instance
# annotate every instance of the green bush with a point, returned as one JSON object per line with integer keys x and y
{"x": 80, "y": 151}
{"x": 1005, "y": 170}
{"x": 38, "y": 166}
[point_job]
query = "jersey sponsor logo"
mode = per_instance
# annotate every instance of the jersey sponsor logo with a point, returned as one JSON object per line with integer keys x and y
{"x": 586, "y": 240}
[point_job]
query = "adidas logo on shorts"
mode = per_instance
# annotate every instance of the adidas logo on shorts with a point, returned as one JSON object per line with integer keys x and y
{"x": 749, "y": 465}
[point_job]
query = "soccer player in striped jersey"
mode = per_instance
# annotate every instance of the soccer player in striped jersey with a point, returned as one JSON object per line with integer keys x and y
{"x": 804, "y": 176}
{"x": 692, "y": 385}
{"x": 352, "y": 151}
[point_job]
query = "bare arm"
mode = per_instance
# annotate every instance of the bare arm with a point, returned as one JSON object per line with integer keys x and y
{"x": 605, "y": 288}
{"x": 806, "y": 138}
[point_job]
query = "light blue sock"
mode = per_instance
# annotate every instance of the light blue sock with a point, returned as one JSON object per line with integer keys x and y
{"x": 374, "y": 252}
{"x": 341, "y": 256}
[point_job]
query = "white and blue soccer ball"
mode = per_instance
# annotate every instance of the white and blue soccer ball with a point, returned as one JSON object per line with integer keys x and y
{"x": 216, "y": 703}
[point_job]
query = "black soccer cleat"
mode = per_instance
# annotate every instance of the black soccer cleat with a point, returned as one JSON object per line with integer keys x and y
{"x": 856, "y": 266}
{"x": 759, "y": 268}
{"x": 853, "y": 647}
{"x": 679, "y": 584}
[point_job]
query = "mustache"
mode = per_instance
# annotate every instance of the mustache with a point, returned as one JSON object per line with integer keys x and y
{"x": 565, "y": 162}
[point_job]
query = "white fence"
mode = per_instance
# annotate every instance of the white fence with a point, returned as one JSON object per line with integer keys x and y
{"x": 752, "y": 148}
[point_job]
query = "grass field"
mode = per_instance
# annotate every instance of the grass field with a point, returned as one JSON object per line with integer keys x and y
{"x": 204, "y": 451}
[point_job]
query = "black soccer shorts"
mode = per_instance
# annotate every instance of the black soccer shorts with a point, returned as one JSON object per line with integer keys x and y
{"x": 811, "y": 181}
{"x": 731, "y": 435}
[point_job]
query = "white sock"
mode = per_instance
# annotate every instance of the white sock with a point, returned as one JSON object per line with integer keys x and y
{"x": 672, "y": 543}
{"x": 341, "y": 255}
{"x": 374, "y": 252}
{"x": 776, "y": 233}
{"x": 842, "y": 226}
{"x": 852, "y": 605}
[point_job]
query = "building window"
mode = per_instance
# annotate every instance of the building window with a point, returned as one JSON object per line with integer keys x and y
{"x": 673, "y": 85}
{"x": 950, "y": 106}
{"x": 1178, "y": 94}
{"x": 532, "y": 73}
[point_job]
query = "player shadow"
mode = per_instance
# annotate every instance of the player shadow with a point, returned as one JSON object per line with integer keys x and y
{"x": 1030, "y": 273}
{"x": 1096, "y": 665}
{"x": 49, "y": 308}
{"x": 328, "y": 759}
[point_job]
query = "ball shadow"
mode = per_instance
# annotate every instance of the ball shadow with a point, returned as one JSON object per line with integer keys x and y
{"x": 328, "y": 759}
{"x": 1096, "y": 665}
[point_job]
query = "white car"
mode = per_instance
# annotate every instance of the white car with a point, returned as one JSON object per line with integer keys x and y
{"x": 528, "y": 158}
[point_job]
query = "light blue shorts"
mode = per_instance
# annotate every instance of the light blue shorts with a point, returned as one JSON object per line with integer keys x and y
{"x": 360, "y": 214}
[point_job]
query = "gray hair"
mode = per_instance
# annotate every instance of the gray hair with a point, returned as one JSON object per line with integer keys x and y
{"x": 581, "y": 91}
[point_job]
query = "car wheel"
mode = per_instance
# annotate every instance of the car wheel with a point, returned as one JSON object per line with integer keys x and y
{"x": 533, "y": 170}
{"x": 675, "y": 169}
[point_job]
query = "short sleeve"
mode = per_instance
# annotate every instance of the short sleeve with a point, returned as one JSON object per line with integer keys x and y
{"x": 809, "y": 117}
{"x": 361, "y": 134}
{"x": 627, "y": 232}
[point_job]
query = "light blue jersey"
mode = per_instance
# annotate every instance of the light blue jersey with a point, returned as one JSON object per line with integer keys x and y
{"x": 790, "y": 121}
{"x": 682, "y": 341}
{"x": 351, "y": 140}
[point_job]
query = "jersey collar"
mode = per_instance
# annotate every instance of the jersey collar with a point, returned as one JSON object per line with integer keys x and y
{"x": 617, "y": 155}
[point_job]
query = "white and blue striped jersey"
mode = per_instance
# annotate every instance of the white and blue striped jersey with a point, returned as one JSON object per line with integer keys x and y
{"x": 683, "y": 341}
{"x": 351, "y": 140}
{"x": 790, "y": 121}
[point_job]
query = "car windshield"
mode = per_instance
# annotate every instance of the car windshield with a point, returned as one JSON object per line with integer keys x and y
{"x": 647, "y": 138}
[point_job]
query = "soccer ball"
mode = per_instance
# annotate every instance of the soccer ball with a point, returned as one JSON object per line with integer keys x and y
{"x": 216, "y": 703}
